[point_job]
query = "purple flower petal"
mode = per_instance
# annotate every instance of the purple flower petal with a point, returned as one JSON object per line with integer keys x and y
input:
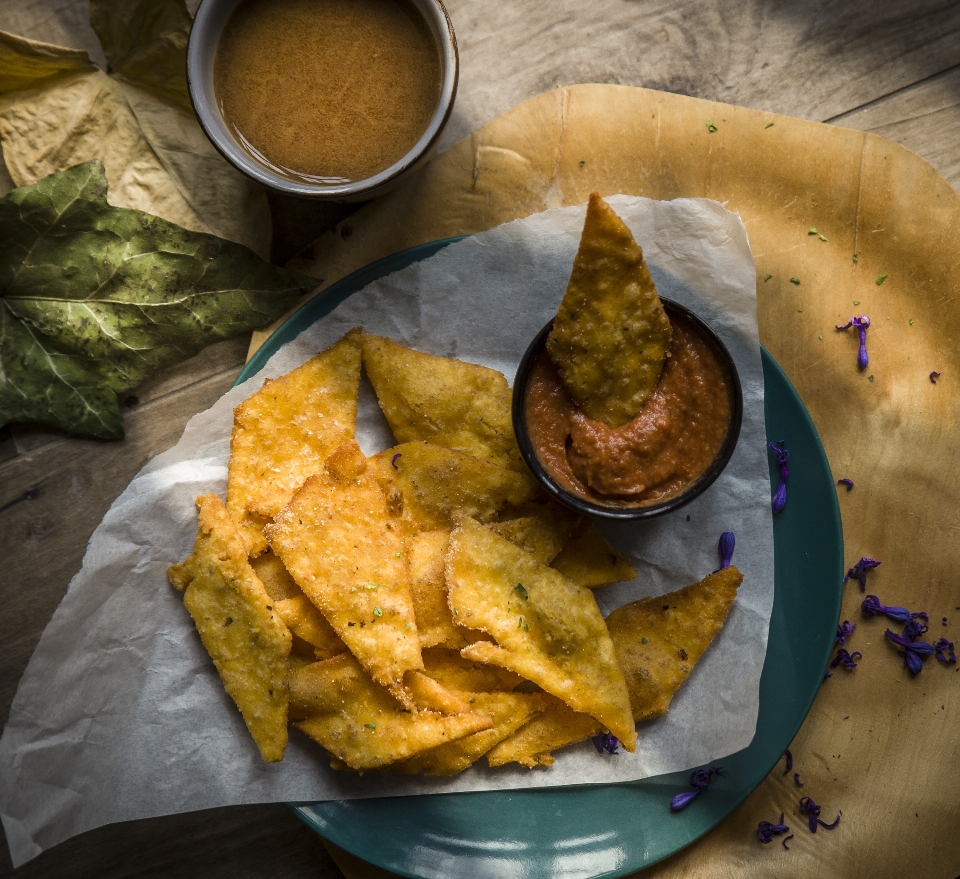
{"x": 726, "y": 547}
{"x": 847, "y": 482}
{"x": 779, "y": 499}
{"x": 812, "y": 810}
{"x": 848, "y": 659}
{"x": 860, "y": 323}
{"x": 859, "y": 571}
{"x": 934, "y": 376}
{"x": 681, "y": 800}
{"x": 844, "y": 631}
{"x": 700, "y": 779}
{"x": 871, "y": 606}
{"x": 789, "y": 755}
{"x": 826, "y": 826}
{"x": 796, "y": 779}
{"x": 393, "y": 460}
{"x": 914, "y": 650}
{"x": 767, "y": 830}
{"x": 783, "y": 842}
{"x": 942, "y": 648}
{"x": 606, "y": 742}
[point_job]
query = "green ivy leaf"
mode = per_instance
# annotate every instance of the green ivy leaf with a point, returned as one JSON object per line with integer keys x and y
{"x": 94, "y": 299}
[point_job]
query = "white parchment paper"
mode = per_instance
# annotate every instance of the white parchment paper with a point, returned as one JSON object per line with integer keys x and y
{"x": 120, "y": 714}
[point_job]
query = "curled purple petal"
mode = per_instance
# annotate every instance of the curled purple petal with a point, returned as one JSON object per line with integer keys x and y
{"x": 606, "y": 742}
{"x": 796, "y": 779}
{"x": 767, "y": 830}
{"x": 784, "y": 841}
{"x": 779, "y": 499}
{"x": 934, "y": 376}
{"x": 789, "y": 755}
{"x": 944, "y": 651}
{"x": 859, "y": 571}
{"x": 860, "y": 324}
{"x": 871, "y": 606}
{"x": 393, "y": 460}
{"x": 726, "y": 547}
{"x": 700, "y": 779}
{"x": 847, "y": 482}
{"x": 848, "y": 659}
{"x": 844, "y": 631}
{"x": 812, "y": 811}
{"x": 826, "y": 826}
{"x": 681, "y": 800}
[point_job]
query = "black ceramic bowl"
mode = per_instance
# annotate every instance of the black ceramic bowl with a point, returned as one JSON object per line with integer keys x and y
{"x": 624, "y": 508}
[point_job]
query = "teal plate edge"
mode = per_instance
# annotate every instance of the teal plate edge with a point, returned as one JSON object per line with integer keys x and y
{"x": 609, "y": 831}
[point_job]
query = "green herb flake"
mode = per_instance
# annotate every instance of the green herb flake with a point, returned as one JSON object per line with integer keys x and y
{"x": 794, "y": 280}
{"x": 644, "y": 640}
{"x": 526, "y": 628}
{"x": 520, "y": 623}
{"x": 870, "y": 378}
{"x": 911, "y": 321}
{"x": 711, "y": 127}
{"x": 373, "y": 585}
{"x": 881, "y": 279}
{"x": 396, "y": 555}
{"x": 768, "y": 125}
{"x": 521, "y": 589}
{"x": 377, "y": 612}
{"x": 582, "y": 163}
{"x": 856, "y": 257}
{"x": 820, "y": 337}
{"x": 813, "y": 231}
{"x": 407, "y": 627}
{"x": 370, "y": 725}
{"x": 767, "y": 278}
{"x": 800, "y": 310}
{"x": 456, "y": 611}
{"x": 856, "y": 301}
{"x": 821, "y": 237}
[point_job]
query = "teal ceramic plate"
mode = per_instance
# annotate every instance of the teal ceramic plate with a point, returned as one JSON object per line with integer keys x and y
{"x": 612, "y": 830}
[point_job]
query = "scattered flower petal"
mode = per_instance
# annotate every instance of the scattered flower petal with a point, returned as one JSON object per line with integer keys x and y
{"x": 812, "y": 810}
{"x": 871, "y": 606}
{"x": 393, "y": 460}
{"x": 934, "y": 376}
{"x": 606, "y": 742}
{"x": 860, "y": 323}
{"x": 783, "y": 842}
{"x": 726, "y": 547}
{"x": 779, "y": 500}
{"x": 700, "y": 779}
{"x": 942, "y": 648}
{"x": 789, "y": 755}
{"x": 844, "y": 631}
{"x": 796, "y": 779}
{"x": 767, "y": 830}
{"x": 847, "y": 482}
{"x": 848, "y": 659}
{"x": 859, "y": 571}
{"x": 914, "y": 651}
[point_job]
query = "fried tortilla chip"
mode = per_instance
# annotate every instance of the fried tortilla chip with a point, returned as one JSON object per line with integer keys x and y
{"x": 659, "y": 639}
{"x": 444, "y": 401}
{"x": 438, "y": 485}
{"x": 556, "y": 727}
{"x": 590, "y": 561}
{"x": 239, "y": 627}
{"x": 546, "y": 628}
{"x": 275, "y": 577}
{"x": 542, "y": 536}
{"x": 508, "y": 711}
{"x": 449, "y": 668}
{"x": 611, "y": 335}
{"x": 283, "y": 432}
{"x": 429, "y": 591}
{"x": 361, "y": 724}
{"x": 344, "y": 548}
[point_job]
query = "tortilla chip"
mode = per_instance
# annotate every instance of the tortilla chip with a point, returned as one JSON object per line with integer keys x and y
{"x": 432, "y": 695}
{"x": 508, "y": 711}
{"x": 556, "y": 727}
{"x": 245, "y": 637}
{"x": 306, "y": 622}
{"x": 449, "y": 668}
{"x": 444, "y": 401}
{"x": 439, "y": 485}
{"x": 275, "y": 577}
{"x": 429, "y": 591}
{"x": 345, "y": 550}
{"x": 659, "y": 639}
{"x": 283, "y": 432}
{"x": 541, "y": 536}
{"x": 590, "y": 561}
{"x": 361, "y": 724}
{"x": 611, "y": 334}
{"x": 547, "y": 629}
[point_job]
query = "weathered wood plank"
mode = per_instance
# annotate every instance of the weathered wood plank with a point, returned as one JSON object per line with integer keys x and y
{"x": 924, "y": 118}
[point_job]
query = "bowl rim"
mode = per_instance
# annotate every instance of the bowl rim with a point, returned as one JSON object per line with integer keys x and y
{"x": 625, "y": 511}
{"x": 208, "y": 24}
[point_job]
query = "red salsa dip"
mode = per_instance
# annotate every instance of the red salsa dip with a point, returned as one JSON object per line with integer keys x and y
{"x": 668, "y": 445}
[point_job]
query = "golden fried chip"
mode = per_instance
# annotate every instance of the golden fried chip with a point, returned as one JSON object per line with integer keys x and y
{"x": 508, "y": 711}
{"x": 430, "y": 694}
{"x": 275, "y": 577}
{"x": 547, "y": 629}
{"x": 345, "y": 550}
{"x": 283, "y": 432}
{"x": 361, "y": 724}
{"x": 447, "y": 402}
{"x": 449, "y": 668}
{"x": 590, "y": 561}
{"x": 245, "y": 637}
{"x": 438, "y": 485}
{"x": 611, "y": 334}
{"x": 556, "y": 727}
{"x": 659, "y": 639}
{"x": 542, "y": 536}
{"x": 429, "y": 591}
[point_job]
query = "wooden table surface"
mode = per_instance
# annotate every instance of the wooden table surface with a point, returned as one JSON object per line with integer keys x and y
{"x": 888, "y": 67}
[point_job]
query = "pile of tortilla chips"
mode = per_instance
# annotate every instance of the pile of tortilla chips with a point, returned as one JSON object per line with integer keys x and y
{"x": 426, "y": 606}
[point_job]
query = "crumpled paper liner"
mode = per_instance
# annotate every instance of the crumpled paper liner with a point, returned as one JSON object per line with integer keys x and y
{"x": 120, "y": 714}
